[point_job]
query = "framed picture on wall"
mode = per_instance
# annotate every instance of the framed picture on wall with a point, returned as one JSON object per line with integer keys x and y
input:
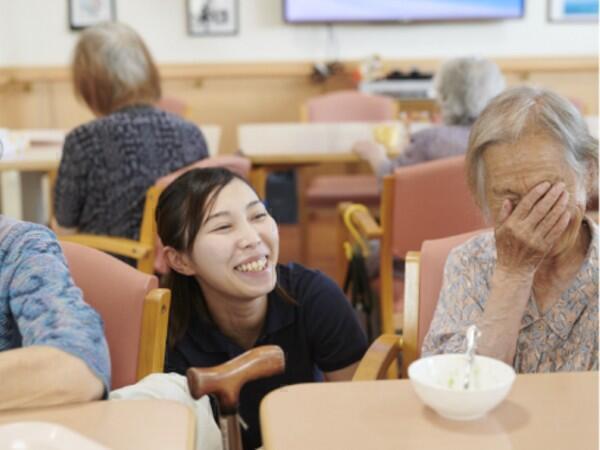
{"x": 85, "y": 13}
{"x": 573, "y": 10}
{"x": 212, "y": 17}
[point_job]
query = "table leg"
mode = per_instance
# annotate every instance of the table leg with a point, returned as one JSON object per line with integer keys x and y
{"x": 303, "y": 215}
{"x": 10, "y": 192}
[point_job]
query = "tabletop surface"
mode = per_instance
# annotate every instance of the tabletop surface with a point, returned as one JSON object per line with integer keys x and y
{"x": 120, "y": 424}
{"x": 542, "y": 411}
{"x": 298, "y": 138}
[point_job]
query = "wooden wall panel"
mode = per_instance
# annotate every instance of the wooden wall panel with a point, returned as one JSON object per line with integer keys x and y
{"x": 230, "y": 94}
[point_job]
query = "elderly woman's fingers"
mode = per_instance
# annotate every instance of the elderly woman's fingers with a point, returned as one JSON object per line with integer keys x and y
{"x": 553, "y": 216}
{"x": 545, "y": 204}
{"x": 530, "y": 200}
{"x": 505, "y": 211}
{"x": 559, "y": 228}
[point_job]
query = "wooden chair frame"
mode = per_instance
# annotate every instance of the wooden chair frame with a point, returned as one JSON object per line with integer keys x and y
{"x": 378, "y": 362}
{"x": 153, "y": 336}
{"x": 142, "y": 250}
{"x": 361, "y": 224}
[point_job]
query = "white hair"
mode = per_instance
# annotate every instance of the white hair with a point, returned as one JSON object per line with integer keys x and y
{"x": 464, "y": 86}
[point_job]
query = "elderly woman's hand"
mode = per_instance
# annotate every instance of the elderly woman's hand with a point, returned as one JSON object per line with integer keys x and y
{"x": 526, "y": 233}
{"x": 371, "y": 152}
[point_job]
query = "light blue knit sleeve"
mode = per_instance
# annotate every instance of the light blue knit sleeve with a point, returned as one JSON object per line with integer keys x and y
{"x": 46, "y": 305}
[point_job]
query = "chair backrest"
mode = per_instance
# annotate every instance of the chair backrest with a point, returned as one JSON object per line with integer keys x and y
{"x": 119, "y": 293}
{"x": 349, "y": 106}
{"x": 236, "y": 164}
{"x": 424, "y": 273}
{"x": 429, "y": 201}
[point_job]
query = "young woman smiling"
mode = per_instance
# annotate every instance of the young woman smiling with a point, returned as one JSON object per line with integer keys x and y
{"x": 230, "y": 295}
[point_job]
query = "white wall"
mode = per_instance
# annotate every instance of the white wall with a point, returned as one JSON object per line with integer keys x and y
{"x": 35, "y": 32}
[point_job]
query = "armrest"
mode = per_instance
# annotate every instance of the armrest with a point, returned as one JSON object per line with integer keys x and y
{"x": 367, "y": 225}
{"x": 380, "y": 355}
{"x": 153, "y": 340}
{"x": 118, "y": 246}
{"x": 361, "y": 219}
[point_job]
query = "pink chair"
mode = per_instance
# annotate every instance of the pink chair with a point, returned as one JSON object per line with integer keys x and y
{"x": 349, "y": 106}
{"x": 327, "y": 191}
{"x": 424, "y": 273}
{"x": 420, "y": 202}
{"x": 144, "y": 250}
{"x": 134, "y": 311}
{"x": 346, "y": 106}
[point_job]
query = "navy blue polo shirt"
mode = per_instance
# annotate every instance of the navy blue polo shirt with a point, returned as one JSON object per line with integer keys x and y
{"x": 320, "y": 333}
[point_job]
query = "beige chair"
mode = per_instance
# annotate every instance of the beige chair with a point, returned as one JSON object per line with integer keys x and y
{"x": 134, "y": 311}
{"x": 146, "y": 249}
{"x": 420, "y": 202}
{"x": 423, "y": 282}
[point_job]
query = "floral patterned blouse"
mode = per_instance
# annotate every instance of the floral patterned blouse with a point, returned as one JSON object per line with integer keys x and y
{"x": 564, "y": 338}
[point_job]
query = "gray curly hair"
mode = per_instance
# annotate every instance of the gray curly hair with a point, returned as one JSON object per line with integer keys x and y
{"x": 464, "y": 86}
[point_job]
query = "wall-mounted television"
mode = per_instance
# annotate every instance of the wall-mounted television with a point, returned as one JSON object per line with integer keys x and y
{"x": 365, "y": 11}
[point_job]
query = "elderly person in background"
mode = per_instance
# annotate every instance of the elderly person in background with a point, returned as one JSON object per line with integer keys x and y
{"x": 464, "y": 86}
{"x": 531, "y": 285}
{"x": 108, "y": 164}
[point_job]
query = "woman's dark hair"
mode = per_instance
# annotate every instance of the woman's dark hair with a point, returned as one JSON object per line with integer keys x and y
{"x": 181, "y": 211}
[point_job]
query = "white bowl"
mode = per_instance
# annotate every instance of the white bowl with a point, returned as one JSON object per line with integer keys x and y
{"x": 438, "y": 381}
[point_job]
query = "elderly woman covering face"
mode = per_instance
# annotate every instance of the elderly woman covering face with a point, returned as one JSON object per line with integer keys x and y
{"x": 531, "y": 285}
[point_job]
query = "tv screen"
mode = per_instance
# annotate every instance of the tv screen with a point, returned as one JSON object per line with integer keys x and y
{"x": 327, "y": 11}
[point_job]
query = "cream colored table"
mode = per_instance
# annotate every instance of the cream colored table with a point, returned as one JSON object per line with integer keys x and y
{"x": 121, "y": 424}
{"x": 38, "y": 154}
{"x": 542, "y": 411}
{"x": 272, "y": 146}
{"x": 35, "y": 153}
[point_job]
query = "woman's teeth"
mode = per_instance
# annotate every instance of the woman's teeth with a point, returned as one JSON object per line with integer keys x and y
{"x": 254, "y": 266}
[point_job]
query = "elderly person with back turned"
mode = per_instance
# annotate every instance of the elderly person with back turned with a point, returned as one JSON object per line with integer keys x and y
{"x": 531, "y": 285}
{"x": 108, "y": 164}
{"x": 464, "y": 86}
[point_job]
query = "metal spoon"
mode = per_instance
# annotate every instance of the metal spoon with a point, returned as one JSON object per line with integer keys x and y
{"x": 473, "y": 334}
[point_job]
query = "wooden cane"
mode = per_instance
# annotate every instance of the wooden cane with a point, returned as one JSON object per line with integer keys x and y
{"x": 226, "y": 380}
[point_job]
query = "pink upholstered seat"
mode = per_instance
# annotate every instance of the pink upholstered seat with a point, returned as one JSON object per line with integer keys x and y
{"x": 117, "y": 291}
{"x": 431, "y": 201}
{"x": 346, "y": 106}
{"x": 144, "y": 250}
{"x": 420, "y": 202}
{"x": 349, "y": 106}
{"x": 423, "y": 282}
{"x": 333, "y": 189}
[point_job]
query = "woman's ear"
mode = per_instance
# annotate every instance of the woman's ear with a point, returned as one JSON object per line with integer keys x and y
{"x": 178, "y": 262}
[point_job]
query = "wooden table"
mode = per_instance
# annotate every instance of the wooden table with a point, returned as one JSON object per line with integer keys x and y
{"x": 277, "y": 146}
{"x": 542, "y": 411}
{"x": 38, "y": 155}
{"x": 121, "y": 424}
{"x": 39, "y": 161}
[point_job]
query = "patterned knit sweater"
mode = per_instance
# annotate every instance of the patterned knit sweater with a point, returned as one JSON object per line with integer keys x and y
{"x": 108, "y": 165}
{"x": 39, "y": 304}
